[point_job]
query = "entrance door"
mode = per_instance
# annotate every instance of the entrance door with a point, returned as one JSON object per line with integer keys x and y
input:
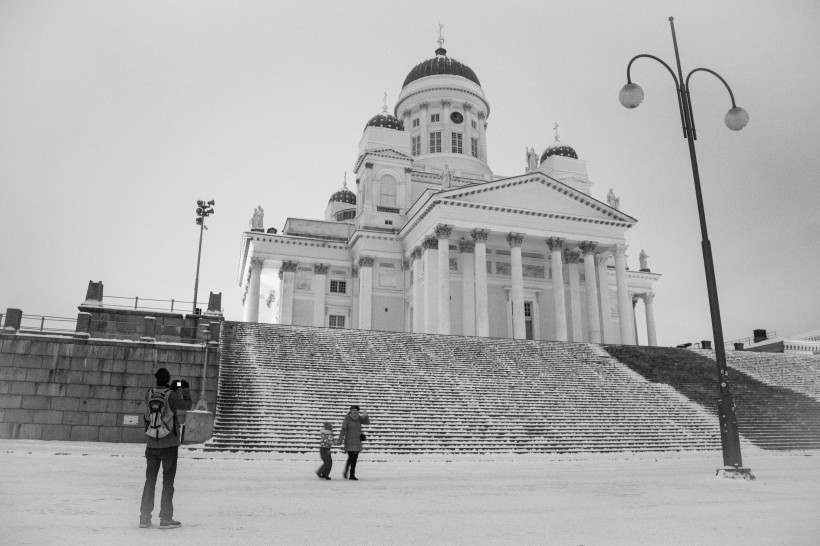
{"x": 528, "y": 320}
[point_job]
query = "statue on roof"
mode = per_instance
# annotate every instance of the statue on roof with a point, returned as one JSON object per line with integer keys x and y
{"x": 446, "y": 177}
{"x": 614, "y": 202}
{"x": 642, "y": 259}
{"x": 532, "y": 160}
{"x": 257, "y": 219}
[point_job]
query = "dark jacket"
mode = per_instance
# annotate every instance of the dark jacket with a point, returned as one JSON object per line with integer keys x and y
{"x": 351, "y": 431}
{"x": 179, "y": 399}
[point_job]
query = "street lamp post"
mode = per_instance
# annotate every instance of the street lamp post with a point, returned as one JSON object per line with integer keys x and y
{"x": 631, "y": 96}
{"x": 203, "y": 210}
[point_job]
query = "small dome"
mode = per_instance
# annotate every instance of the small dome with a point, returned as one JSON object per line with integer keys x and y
{"x": 440, "y": 64}
{"x": 344, "y": 195}
{"x": 385, "y": 120}
{"x": 558, "y": 148}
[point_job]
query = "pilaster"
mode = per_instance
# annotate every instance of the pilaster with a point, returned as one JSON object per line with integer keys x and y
{"x": 482, "y": 318}
{"x": 593, "y": 315}
{"x": 515, "y": 241}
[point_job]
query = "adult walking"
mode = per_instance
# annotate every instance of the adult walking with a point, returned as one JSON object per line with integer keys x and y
{"x": 162, "y": 445}
{"x": 351, "y": 438}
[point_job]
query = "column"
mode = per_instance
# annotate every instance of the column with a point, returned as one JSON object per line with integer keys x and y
{"x": 601, "y": 259}
{"x": 467, "y": 250}
{"x": 319, "y": 293}
{"x": 593, "y": 316}
{"x": 354, "y": 297}
{"x": 252, "y": 297}
{"x": 447, "y": 144}
{"x": 651, "y": 338}
{"x": 424, "y": 120}
{"x": 405, "y": 202}
{"x": 624, "y": 307}
{"x": 516, "y": 240}
{"x": 468, "y": 129}
{"x": 482, "y": 314}
{"x": 406, "y": 119}
{"x": 556, "y": 246}
{"x": 635, "y": 320}
{"x": 365, "y": 292}
{"x": 418, "y": 292}
{"x": 430, "y": 246}
{"x": 443, "y": 235}
{"x": 288, "y": 275}
{"x": 482, "y": 141}
{"x": 574, "y": 294}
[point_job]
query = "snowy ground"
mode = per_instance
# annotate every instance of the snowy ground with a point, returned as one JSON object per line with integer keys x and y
{"x": 88, "y": 493}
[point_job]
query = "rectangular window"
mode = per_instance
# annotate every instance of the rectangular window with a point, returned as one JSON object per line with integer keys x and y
{"x": 416, "y": 122}
{"x": 433, "y": 118}
{"x": 435, "y": 142}
{"x": 473, "y": 124}
{"x": 453, "y": 264}
{"x": 338, "y": 287}
{"x": 527, "y": 309}
{"x": 336, "y": 321}
{"x": 416, "y": 145}
{"x": 458, "y": 143}
{"x": 474, "y": 147}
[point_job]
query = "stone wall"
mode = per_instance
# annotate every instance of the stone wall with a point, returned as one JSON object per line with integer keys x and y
{"x": 64, "y": 388}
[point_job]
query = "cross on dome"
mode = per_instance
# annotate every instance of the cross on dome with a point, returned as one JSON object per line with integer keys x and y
{"x": 440, "y": 40}
{"x": 384, "y": 107}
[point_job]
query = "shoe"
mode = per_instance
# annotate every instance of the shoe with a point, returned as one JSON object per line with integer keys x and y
{"x": 345, "y": 474}
{"x": 326, "y": 477}
{"x": 145, "y": 524}
{"x": 319, "y": 475}
{"x": 353, "y": 478}
{"x": 169, "y": 524}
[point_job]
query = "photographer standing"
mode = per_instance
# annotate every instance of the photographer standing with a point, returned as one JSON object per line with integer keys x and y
{"x": 351, "y": 438}
{"x": 162, "y": 447}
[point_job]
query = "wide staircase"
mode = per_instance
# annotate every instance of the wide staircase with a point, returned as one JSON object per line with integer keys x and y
{"x": 777, "y": 396}
{"x": 442, "y": 394}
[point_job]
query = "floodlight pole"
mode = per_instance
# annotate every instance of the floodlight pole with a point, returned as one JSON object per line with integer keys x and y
{"x": 736, "y": 119}
{"x": 203, "y": 211}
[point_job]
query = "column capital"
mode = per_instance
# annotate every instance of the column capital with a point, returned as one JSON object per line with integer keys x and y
{"x": 619, "y": 251}
{"x": 366, "y": 261}
{"x": 416, "y": 253}
{"x": 430, "y": 242}
{"x": 405, "y": 112}
{"x": 354, "y": 272}
{"x": 408, "y": 170}
{"x": 601, "y": 258}
{"x": 368, "y": 165}
{"x": 289, "y": 267}
{"x": 647, "y": 297}
{"x": 466, "y": 247}
{"x": 482, "y": 115}
{"x": 320, "y": 269}
{"x": 468, "y": 106}
{"x": 588, "y": 247}
{"x": 480, "y": 235}
{"x": 515, "y": 239}
{"x": 555, "y": 244}
{"x": 424, "y": 105}
{"x": 446, "y": 102}
{"x": 443, "y": 231}
{"x": 256, "y": 261}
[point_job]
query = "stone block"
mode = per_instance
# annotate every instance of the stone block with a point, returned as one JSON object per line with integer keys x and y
{"x": 115, "y": 366}
{"x": 38, "y": 375}
{"x": 51, "y": 389}
{"x": 8, "y": 431}
{"x": 6, "y": 359}
{"x": 28, "y": 361}
{"x": 84, "y": 434}
{"x": 11, "y": 401}
{"x": 13, "y": 374}
{"x": 133, "y": 353}
{"x": 58, "y": 376}
{"x": 73, "y": 376}
{"x": 102, "y": 419}
{"x": 4, "y": 387}
{"x": 133, "y": 380}
{"x": 93, "y": 404}
{"x": 36, "y": 402}
{"x": 107, "y": 391}
{"x": 23, "y": 347}
{"x": 79, "y": 391}
{"x": 134, "y": 393}
{"x": 116, "y": 379}
{"x": 18, "y": 415}
{"x": 49, "y": 417}
{"x": 92, "y": 364}
{"x": 139, "y": 367}
{"x": 79, "y": 349}
{"x": 30, "y": 432}
{"x": 115, "y": 406}
{"x": 75, "y": 418}
{"x": 21, "y": 387}
{"x": 97, "y": 378}
{"x": 94, "y": 294}
{"x": 64, "y": 403}
{"x": 119, "y": 353}
{"x": 110, "y": 434}
{"x": 42, "y": 348}
{"x": 190, "y": 371}
{"x": 133, "y": 435}
{"x": 56, "y": 432}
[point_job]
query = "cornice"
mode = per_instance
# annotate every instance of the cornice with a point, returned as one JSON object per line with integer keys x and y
{"x": 393, "y": 154}
{"x": 442, "y": 88}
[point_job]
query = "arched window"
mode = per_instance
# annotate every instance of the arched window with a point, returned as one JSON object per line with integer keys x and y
{"x": 388, "y": 192}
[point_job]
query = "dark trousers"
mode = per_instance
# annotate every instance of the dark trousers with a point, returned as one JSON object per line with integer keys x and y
{"x": 350, "y": 465}
{"x": 327, "y": 462}
{"x": 167, "y": 457}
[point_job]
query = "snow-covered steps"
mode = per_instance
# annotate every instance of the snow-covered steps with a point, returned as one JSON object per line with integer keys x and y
{"x": 435, "y": 394}
{"x": 777, "y": 396}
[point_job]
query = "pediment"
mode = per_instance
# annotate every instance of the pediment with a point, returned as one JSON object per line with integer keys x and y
{"x": 536, "y": 193}
{"x": 382, "y": 153}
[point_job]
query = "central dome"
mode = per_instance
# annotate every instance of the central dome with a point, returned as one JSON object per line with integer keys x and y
{"x": 440, "y": 64}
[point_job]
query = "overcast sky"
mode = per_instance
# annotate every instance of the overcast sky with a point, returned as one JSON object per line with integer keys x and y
{"x": 115, "y": 117}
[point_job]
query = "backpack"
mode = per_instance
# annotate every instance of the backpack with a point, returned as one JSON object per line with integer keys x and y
{"x": 159, "y": 417}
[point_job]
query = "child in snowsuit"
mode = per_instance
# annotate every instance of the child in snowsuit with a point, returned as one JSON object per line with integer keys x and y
{"x": 325, "y": 443}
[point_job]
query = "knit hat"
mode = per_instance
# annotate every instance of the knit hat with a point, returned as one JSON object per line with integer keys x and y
{"x": 328, "y": 425}
{"x": 163, "y": 376}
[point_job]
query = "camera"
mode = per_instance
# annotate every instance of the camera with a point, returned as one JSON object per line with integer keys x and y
{"x": 179, "y": 383}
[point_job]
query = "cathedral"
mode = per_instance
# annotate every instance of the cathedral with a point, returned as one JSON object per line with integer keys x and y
{"x": 433, "y": 241}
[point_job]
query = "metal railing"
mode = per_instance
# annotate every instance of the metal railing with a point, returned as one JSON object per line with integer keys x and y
{"x": 746, "y": 341}
{"x": 139, "y": 303}
{"x": 46, "y": 323}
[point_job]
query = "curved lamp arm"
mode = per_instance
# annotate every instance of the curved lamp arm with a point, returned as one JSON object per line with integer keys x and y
{"x": 718, "y": 76}
{"x": 672, "y": 72}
